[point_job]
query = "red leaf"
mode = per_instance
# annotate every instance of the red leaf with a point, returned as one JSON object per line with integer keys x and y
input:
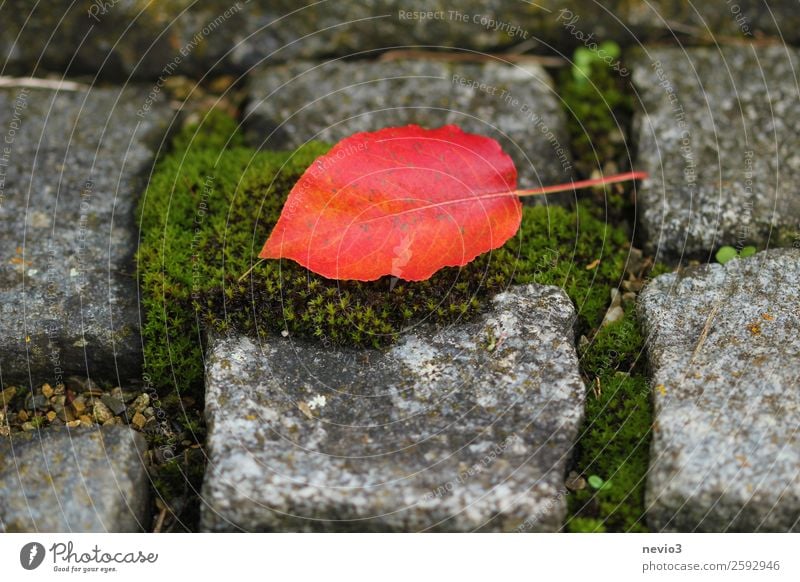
{"x": 402, "y": 201}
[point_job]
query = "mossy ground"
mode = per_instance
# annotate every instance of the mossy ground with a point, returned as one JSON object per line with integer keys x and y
{"x": 599, "y": 111}
{"x": 615, "y": 441}
{"x": 208, "y": 210}
{"x": 212, "y": 203}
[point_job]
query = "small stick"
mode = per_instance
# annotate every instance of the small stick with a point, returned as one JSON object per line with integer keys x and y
{"x": 160, "y": 521}
{"x": 250, "y": 270}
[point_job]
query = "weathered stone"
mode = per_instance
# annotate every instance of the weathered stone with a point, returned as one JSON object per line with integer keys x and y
{"x": 60, "y": 480}
{"x": 115, "y": 405}
{"x": 724, "y": 345}
{"x": 467, "y": 428}
{"x": 126, "y": 38}
{"x": 101, "y": 412}
{"x": 719, "y": 138}
{"x": 72, "y": 166}
{"x": 515, "y": 104}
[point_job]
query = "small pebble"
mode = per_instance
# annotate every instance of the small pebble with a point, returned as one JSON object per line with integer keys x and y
{"x": 616, "y": 298}
{"x": 7, "y": 394}
{"x": 86, "y": 420}
{"x": 51, "y": 416}
{"x": 79, "y": 405}
{"x": 635, "y": 262}
{"x": 612, "y": 315}
{"x": 101, "y": 412}
{"x": 140, "y": 403}
{"x": 73, "y": 423}
{"x": 138, "y": 421}
{"x": 28, "y": 426}
{"x": 36, "y": 402}
{"x": 22, "y": 416}
{"x": 634, "y": 286}
{"x": 114, "y": 404}
{"x": 575, "y": 482}
{"x": 47, "y": 390}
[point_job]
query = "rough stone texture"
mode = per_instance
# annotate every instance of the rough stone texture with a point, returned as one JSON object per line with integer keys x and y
{"x": 720, "y": 140}
{"x": 121, "y": 38}
{"x": 294, "y": 103}
{"x": 62, "y": 480}
{"x": 69, "y": 181}
{"x": 466, "y": 429}
{"x": 726, "y": 448}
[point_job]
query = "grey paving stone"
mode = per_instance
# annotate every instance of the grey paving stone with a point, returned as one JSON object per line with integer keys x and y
{"x": 72, "y": 165}
{"x": 123, "y": 38}
{"x": 81, "y": 480}
{"x": 718, "y": 135}
{"x": 329, "y": 101}
{"x": 468, "y": 428}
{"x": 724, "y": 345}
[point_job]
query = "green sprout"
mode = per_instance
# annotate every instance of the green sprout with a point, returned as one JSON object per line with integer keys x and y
{"x": 597, "y": 482}
{"x": 583, "y": 58}
{"x": 727, "y": 253}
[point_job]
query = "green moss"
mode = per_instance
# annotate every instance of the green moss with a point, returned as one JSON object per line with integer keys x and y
{"x": 616, "y": 438}
{"x": 614, "y": 443}
{"x": 599, "y": 111}
{"x": 209, "y": 208}
{"x": 212, "y": 203}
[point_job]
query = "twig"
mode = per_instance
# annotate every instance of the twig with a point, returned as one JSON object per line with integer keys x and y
{"x": 704, "y": 333}
{"x": 34, "y": 83}
{"x": 250, "y": 270}
{"x": 403, "y": 54}
{"x": 160, "y": 521}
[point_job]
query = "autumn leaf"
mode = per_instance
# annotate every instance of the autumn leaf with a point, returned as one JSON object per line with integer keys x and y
{"x": 403, "y": 201}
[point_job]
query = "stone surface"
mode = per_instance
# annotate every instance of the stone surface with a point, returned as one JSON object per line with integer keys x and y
{"x": 466, "y": 429}
{"x": 719, "y": 138}
{"x": 122, "y": 38}
{"x": 724, "y": 346}
{"x": 71, "y": 168}
{"x": 61, "y": 480}
{"x": 515, "y": 104}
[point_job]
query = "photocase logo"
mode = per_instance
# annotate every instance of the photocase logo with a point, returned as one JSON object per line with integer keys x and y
{"x": 31, "y": 555}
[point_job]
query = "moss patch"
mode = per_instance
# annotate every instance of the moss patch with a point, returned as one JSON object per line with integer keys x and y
{"x": 599, "y": 111}
{"x": 209, "y": 208}
{"x": 616, "y": 436}
{"x": 212, "y": 203}
{"x": 615, "y": 440}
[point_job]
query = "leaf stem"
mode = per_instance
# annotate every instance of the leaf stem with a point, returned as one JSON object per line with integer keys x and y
{"x": 250, "y": 270}
{"x": 583, "y": 184}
